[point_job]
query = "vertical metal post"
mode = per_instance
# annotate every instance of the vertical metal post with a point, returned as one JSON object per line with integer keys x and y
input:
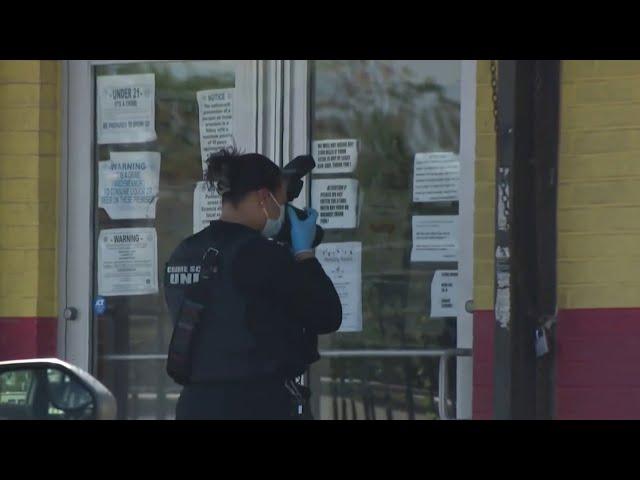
{"x": 524, "y": 268}
{"x": 525, "y": 257}
{"x": 504, "y": 163}
{"x": 515, "y": 362}
{"x": 546, "y": 140}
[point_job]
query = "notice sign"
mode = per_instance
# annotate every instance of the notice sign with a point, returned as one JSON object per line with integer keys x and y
{"x": 207, "y": 206}
{"x": 342, "y": 262}
{"x": 128, "y": 184}
{"x": 215, "y": 113}
{"x": 335, "y": 156}
{"x": 434, "y": 238}
{"x": 336, "y": 202}
{"x": 444, "y": 289}
{"x": 126, "y": 108}
{"x": 127, "y": 262}
{"x": 436, "y": 177}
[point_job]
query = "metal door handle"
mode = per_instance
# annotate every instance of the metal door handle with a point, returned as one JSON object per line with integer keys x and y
{"x": 70, "y": 313}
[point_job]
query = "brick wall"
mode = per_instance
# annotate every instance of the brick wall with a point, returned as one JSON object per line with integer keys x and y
{"x": 483, "y": 247}
{"x": 29, "y": 159}
{"x": 598, "y": 361}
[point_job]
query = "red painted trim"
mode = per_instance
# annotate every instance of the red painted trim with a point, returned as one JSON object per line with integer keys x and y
{"x": 28, "y": 337}
{"x": 483, "y": 324}
{"x": 597, "y": 364}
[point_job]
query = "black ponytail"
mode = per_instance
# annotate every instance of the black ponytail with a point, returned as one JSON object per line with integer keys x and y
{"x": 234, "y": 174}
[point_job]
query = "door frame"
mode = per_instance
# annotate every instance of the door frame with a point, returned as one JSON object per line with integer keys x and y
{"x": 282, "y": 131}
{"x": 464, "y": 368}
{"x": 296, "y": 138}
{"x": 76, "y": 338}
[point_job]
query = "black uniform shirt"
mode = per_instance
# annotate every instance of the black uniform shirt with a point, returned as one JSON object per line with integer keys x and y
{"x": 272, "y": 279}
{"x": 288, "y": 303}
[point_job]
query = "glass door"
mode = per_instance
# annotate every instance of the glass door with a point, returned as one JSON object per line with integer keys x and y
{"x": 392, "y": 189}
{"x": 129, "y": 179}
{"x": 141, "y": 131}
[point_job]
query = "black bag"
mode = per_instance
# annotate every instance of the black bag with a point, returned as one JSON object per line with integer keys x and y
{"x": 180, "y": 356}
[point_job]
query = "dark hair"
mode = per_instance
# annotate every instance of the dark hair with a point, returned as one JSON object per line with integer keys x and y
{"x": 234, "y": 174}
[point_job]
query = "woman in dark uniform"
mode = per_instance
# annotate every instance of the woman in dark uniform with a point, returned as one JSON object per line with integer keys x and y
{"x": 259, "y": 327}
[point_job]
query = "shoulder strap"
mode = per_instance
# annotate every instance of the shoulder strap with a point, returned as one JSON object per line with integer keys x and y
{"x": 218, "y": 253}
{"x": 230, "y": 246}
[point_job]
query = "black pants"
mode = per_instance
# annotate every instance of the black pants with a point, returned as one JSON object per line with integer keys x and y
{"x": 250, "y": 400}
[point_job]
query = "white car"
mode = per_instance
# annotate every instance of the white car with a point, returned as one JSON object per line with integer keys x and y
{"x": 50, "y": 389}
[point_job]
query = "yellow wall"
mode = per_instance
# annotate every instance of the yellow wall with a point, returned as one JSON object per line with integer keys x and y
{"x": 484, "y": 195}
{"x": 599, "y": 193}
{"x": 29, "y": 161}
{"x": 599, "y": 186}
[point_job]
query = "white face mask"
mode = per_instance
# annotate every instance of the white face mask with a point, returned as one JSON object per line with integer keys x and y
{"x": 272, "y": 227}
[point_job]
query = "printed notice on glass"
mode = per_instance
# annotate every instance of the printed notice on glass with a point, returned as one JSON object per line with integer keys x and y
{"x": 436, "y": 177}
{"x": 207, "y": 206}
{"x": 127, "y": 261}
{"x": 434, "y": 238}
{"x": 335, "y": 201}
{"x": 443, "y": 293}
{"x": 128, "y": 184}
{"x": 215, "y": 113}
{"x": 335, "y": 156}
{"x": 342, "y": 262}
{"x": 126, "y": 108}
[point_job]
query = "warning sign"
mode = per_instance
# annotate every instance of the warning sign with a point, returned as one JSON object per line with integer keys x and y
{"x": 336, "y": 202}
{"x": 335, "y": 156}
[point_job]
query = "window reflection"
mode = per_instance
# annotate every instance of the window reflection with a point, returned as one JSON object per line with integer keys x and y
{"x": 395, "y": 109}
{"x": 379, "y": 389}
{"x": 141, "y": 324}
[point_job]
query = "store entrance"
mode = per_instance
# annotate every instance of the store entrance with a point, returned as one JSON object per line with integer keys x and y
{"x": 394, "y": 188}
{"x": 138, "y": 133}
{"x": 142, "y": 131}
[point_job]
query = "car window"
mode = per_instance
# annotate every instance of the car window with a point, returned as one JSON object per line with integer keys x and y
{"x": 44, "y": 394}
{"x": 15, "y": 388}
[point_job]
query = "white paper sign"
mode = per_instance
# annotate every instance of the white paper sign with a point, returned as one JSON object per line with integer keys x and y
{"x": 336, "y": 202}
{"x": 443, "y": 293}
{"x": 436, "y": 177}
{"x": 342, "y": 263}
{"x": 207, "y": 206}
{"x": 128, "y": 184}
{"x": 126, "y": 108}
{"x": 503, "y": 299}
{"x": 434, "y": 238}
{"x": 215, "y": 112}
{"x": 127, "y": 261}
{"x": 335, "y": 156}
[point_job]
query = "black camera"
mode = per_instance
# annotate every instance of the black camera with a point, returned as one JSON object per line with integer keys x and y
{"x": 294, "y": 171}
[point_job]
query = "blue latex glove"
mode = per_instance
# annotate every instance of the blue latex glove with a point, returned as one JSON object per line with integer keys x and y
{"x": 302, "y": 231}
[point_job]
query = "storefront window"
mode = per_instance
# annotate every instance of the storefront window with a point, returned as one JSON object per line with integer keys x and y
{"x": 132, "y": 335}
{"x": 386, "y": 120}
{"x": 375, "y": 123}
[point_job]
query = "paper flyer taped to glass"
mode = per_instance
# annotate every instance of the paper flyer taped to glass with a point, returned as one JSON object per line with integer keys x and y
{"x": 444, "y": 288}
{"x": 207, "y": 206}
{"x": 336, "y": 201}
{"x": 335, "y": 156}
{"x": 215, "y": 115}
{"x": 434, "y": 238}
{"x": 342, "y": 262}
{"x": 125, "y": 109}
{"x": 128, "y": 185}
{"x": 436, "y": 177}
{"x": 127, "y": 261}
